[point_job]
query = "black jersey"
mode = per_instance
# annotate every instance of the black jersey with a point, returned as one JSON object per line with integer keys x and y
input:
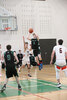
{"x": 20, "y": 56}
{"x": 9, "y": 57}
{"x": 32, "y": 60}
{"x": 35, "y": 43}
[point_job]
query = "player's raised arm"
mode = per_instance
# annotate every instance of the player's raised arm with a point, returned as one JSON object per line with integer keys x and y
{"x": 24, "y": 41}
{"x": 52, "y": 56}
{"x": 30, "y": 32}
{"x": 28, "y": 37}
{"x": 37, "y": 37}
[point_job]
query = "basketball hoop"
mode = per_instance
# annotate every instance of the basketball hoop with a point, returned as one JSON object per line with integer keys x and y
{"x": 7, "y": 28}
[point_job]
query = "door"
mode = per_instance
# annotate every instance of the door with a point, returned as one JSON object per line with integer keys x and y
{"x": 46, "y": 49}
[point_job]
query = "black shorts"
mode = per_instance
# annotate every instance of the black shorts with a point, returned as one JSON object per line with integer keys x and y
{"x": 36, "y": 52}
{"x": 10, "y": 71}
{"x": 20, "y": 62}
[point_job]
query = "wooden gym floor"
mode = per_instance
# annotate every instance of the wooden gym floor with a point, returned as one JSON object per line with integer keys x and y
{"x": 41, "y": 86}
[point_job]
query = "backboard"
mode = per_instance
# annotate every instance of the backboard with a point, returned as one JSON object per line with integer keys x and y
{"x": 8, "y": 23}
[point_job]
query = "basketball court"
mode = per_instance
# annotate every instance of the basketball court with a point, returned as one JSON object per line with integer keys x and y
{"x": 42, "y": 86}
{"x": 48, "y": 19}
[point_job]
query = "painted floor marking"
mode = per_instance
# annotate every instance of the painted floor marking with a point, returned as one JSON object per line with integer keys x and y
{"x": 32, "y": 87}
{"x": 49, "y": 84}
{"x": 30, "y": 93}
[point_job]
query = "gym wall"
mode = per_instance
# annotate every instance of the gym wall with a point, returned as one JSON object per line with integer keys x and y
{"x": 48, "y": 19}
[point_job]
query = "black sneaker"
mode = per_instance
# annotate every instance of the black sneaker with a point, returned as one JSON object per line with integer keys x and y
{"x": 29, "y": 75}
{"x": 3, "y": 88}
{"x": 19, "y": 87}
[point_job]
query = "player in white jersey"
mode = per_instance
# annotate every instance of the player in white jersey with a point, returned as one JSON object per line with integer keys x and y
{"x": 26, "y": 59}
{"x": 61, "y": 55}
{"x": 0, "y": 59}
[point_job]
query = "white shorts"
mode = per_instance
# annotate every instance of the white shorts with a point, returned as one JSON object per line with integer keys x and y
{"x": 60, "y": 62}
{"x": 26, "y": 61}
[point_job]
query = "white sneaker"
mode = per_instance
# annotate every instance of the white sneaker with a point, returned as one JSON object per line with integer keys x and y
{"x": 59, "y": 85}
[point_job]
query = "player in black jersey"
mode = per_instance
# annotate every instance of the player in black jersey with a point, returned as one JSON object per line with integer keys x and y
{"x": 10, "y": 66}
{"x": 36, "y": 49}
{"x": 20, "y": 57}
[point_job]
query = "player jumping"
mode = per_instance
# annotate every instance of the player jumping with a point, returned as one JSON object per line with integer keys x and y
{"x": 36, "y": 49}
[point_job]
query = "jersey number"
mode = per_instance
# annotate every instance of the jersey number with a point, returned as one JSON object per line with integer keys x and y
{"x": 60, "y": 50}
{"x": 8, "y": 57}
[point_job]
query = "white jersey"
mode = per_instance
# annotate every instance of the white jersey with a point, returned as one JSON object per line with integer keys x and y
{"x": 26, "y": 59}
{"x": 26, "y": 54}
{"x": 60, "y": 55}
{"x": 31, "y": 52}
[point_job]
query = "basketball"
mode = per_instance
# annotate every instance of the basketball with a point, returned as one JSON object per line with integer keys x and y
{"x": 30, "y": 30}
